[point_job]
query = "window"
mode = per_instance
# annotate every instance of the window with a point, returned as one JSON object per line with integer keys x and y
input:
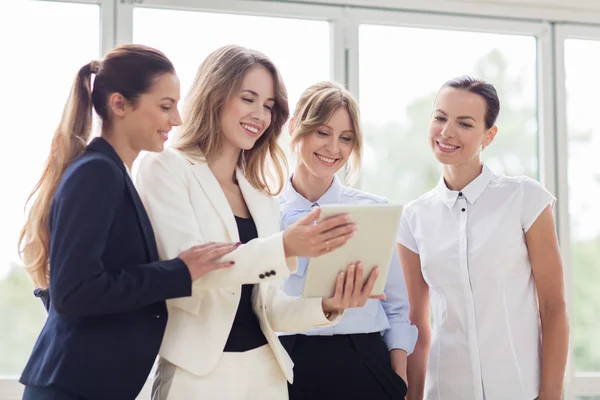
{"x": 49, "y": 42}
{"x": 397, "y": 91}
{"x": 582, "y": 62}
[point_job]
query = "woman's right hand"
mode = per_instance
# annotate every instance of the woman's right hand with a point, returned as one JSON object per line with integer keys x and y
{"x": 203, "y": 258}
{"x": 306, "y": 239}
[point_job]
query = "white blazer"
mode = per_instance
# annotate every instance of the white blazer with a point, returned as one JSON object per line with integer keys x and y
{"x": 187, "y": 207}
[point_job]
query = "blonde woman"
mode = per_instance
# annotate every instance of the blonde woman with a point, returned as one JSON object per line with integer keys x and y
{"x": 88, "y": 243}
{"x": 220, "y": 342}
{"x": 365, "y": 353}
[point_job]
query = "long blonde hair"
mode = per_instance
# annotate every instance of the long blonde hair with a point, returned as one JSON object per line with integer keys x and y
{"x": 218, "y": 77}
{"x": 129, "y": 70}
{"x": 316, "y": 105}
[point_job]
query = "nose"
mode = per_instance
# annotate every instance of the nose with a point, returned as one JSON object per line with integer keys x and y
{"x": 447, "y": 131}
{"x": 332, "y": 145}
{"x": 176, "y": 120}
{"x": 257, "y": 113}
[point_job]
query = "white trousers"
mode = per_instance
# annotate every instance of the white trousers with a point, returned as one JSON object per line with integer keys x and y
{"x": 250, "y": 375}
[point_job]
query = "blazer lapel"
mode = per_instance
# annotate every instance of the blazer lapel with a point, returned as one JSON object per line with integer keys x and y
{"x": 258, "y": 204}
{"x": 144, "y": 220}
{"x": 102, "y": 146}
{"x": 216, "y": 196}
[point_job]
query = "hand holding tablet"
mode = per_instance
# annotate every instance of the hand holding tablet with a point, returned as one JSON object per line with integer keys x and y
{"x": 372, "y": 244}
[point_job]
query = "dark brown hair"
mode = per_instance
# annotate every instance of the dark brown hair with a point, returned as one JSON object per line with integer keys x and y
{"x": 129, "y": 70}
{"x": 486, "y": 90}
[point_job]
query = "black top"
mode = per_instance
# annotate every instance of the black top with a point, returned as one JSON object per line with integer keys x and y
{"x": 245, "y": 333}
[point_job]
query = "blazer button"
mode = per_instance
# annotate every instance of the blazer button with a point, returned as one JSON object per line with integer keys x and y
{"x": 273, "y": 272}
{"x": 156, "y": 316}
{"x": 267, "y": 273}
{"x": 262, "y": 276}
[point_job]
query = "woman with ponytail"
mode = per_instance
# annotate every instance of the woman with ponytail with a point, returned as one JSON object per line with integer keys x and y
{"x": 88, "y": 244}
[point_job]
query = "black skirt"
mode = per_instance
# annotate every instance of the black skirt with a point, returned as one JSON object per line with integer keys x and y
{"x": 348, "y": 367}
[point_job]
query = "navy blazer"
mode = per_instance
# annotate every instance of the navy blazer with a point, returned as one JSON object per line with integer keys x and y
{"x": 106, "y": 302}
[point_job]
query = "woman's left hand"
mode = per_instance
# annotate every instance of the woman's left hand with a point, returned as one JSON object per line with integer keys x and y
{"x": 350, "y": 291}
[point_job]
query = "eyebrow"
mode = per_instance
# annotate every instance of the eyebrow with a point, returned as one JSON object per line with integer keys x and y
{"x": 169, "y": 98}
{"x": 330, "y": 128}
{"x": 459, "y": 117}
{"x": 252, "y": 92}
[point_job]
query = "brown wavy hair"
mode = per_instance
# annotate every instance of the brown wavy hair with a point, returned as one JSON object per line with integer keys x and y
{"x": 218, "y": 77}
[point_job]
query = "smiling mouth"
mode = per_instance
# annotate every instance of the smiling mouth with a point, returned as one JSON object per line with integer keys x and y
{"x": 164, "y": 135}
{"x": 250, "y": 129}
{"x": 326, "y": 160}
{"x": 447, "y": 147}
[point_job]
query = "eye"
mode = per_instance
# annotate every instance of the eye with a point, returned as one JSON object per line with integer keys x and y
{"x": 346, "y": 139}
{"x": 165, "y": 108}
{"x": 323, "y": 134}
{"x": 268, "y": 107}
{"x": 465, "y": 125}
{"x": 247, "y": 100}
{"x": 440, "y": 118}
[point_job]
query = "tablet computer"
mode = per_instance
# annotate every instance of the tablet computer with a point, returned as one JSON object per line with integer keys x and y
{"x": 372, "y": 244}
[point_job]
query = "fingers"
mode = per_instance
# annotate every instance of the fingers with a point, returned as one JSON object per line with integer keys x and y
{"x": 339, "y": 287}
{"x": 310, "y": 217}
{"x": 358, "y": 282}
{"x": 209, "y": 246}
{"x": 331, "y": 245}
{"x": 332, "y": 222}
{"x": 220, "y": 251}
{"x": 346, "y": 230}
{"x": 368, "y": 288}
{"x": 382, "y": 297}
{"x": 219, "y": 265}
{"x": 349, "y": 285}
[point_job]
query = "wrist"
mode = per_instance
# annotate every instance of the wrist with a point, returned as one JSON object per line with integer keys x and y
{"x": 287, "y": 251}
{"x": 328, "y": 309}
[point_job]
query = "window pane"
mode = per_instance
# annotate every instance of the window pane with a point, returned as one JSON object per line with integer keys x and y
{"x": 52, "y": 41}
{"x": 286, "y": 41}
{"x": 582, "y": 63}
{"x": 398, "y": 88}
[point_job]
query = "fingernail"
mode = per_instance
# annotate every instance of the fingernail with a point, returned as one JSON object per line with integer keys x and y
{"x": 354, "y": 227}
{"x": 231, "y": 262}
{"x": 237, "y": 244}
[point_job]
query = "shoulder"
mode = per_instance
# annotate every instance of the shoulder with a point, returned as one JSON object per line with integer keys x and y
{"x": 423, "y": 202}
{"x": 522, "y": 184}
{"x": 91, "y": 175}
{"x": 352, "y": 195}
{"x": 168, "y": 158}
{"x": 94, "y": 166}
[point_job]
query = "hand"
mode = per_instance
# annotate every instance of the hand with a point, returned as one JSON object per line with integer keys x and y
{"x": 203, "y": 258}
{"x": 398, "y": 359}
{"x": 350, "y": 292}
{"x": 305, "y": 239}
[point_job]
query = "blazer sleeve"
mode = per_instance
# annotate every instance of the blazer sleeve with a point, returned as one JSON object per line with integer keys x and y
{"x": 163, "y": 188}
{"x": 83, "y": 213}
{"x": 295, "y": 314}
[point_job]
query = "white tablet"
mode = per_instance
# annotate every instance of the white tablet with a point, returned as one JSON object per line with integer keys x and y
{"x": 372, "y": 244}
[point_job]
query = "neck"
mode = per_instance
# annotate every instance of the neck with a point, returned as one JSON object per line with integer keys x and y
{"x": 122, "y": 147}
{"x": 223, "y": 164}
{"x": 311, "y": 187}
{"x": 457, "y": 177}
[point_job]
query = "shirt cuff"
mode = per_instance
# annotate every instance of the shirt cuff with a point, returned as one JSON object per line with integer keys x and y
{"x": 401, "y": 336}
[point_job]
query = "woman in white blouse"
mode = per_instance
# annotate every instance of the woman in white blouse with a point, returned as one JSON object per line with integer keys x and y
{"x": 483, "y": 248}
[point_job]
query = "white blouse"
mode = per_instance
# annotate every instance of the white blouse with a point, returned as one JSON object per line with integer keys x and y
{"x": 486, "y": 341}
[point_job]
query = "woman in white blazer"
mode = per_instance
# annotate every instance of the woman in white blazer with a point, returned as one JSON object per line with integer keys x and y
{"x": 214, "y": 185}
